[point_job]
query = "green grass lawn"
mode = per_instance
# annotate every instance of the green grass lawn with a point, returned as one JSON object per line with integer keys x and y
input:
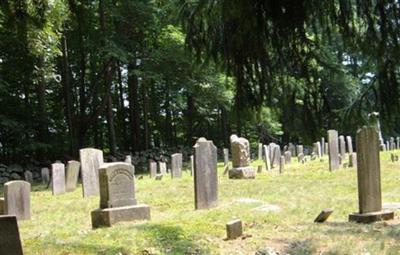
{"x": 62, "y": 224}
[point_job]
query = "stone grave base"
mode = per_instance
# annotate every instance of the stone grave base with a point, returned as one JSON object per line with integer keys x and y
{"x": 242, "y": 173}
{"x": 109, "y": 216}
{"x": 371, "y": 217}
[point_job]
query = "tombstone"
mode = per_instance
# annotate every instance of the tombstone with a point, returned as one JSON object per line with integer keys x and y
{"x": 234, "y": 229}
{"x": 58, "y": 178}
{"x": 397, "y": 143}
{"x": 10, "y": 242}
{"x": 317, "y": 149}
{"x": 152, "y": 168}
{"x": 72, "y": 175}
{"x": 326, "y": 148}
{"x": 267, "y": 159}
{"x": 282, "y": 164}
{"x": 349, "y": 144}
{"x": 260, "y": 148}
{"x": 28, "y": 176}
{"x": 369, "y": 178}
{"x": 276, "y": 155}
{"x": 392, "y": 143}
{"x": 17, "y": 199}
{"x": 91, "y": 159}
{"x": 128, "y": 159}
{"x": 342, "y": 147}
{"x": 382, "y": 147}
{"x": 191, "y": 165}
{"x": 117, "y": 196}
{"x": 333, "y": 150}
{"x": 323, "y": 152}
{"x": 45, "y": 175}
{"x": 162, "y": 167}
{"x": 387, "y": 145}
{"x": 323, "y": 215}
{"x": 226, "y": 156}
{"x": 240, "y": 149}
{"x": 259, "y": 169}
{"x": 176, "y": 165}
{"x": 292, "y": 149}
{"x": 159, "y": 177}
{"x": 299, "y": 149}
{"x": 288, "y": 157}
{"x": 205, "y": 174}
{"x": 300, "y": 158}
{"x": 353, "y": 160}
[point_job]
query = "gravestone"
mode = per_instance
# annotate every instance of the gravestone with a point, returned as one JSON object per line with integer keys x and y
{"x": 326, "y": 148}
{"x": 323, "y": 152}
{"x": 342, "y": 147}
{"x": 369, "y": 178}
{"x": 353, "y": 160}
{"x": 333, "y": 150}
{"x": 234, "y": 229}
{"x": 317, "y": 149}
{"x": 10, "y": 242}
{"x": 17, "y": 199}
{"x": 117, "y": 196}
{"x": 292, "y": 149}
{"x": 259, "y": 169}
{"x": 162, "y": 167}
{"x": 205, "y": 174}
{"x": 240, "y": 149}
{"x": 176, "y": 165}
{"x": 387, "y": 145}
{"x": 128, "y": 159}
{"x": 267, "y": 159}
{"x": 282, "y": 164}
{"x": 323, "y": 215}
{"x": 226, "y": 156}
{"x": 91, "y": 159}
{"x": 58, "y": 178}
{"x": 392, "y": 144}
{"x": 288, "y": 157}
{"x": 152, "y": 168}
{"x": 349, "y": 144}
{"x": 300, "y": 158}
{"x": 260, "y": 148}
{"x": 191, "y": 165}
{"x": 299, "y": 149}
{"x": 72, "y": 175}
{"x": 45, "y": 175}
{"x": 28, "y": 176}
{"x": 397, "y": 143}
{"x": 276, "y": 155}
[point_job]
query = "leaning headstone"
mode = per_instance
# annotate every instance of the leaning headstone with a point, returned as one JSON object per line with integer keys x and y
{"x": 267, "y": 159}
{"x": 226, "y": 156}
{"x": 176, "y": 165}
{"x": 342, "y": 147}
{"x": 17, "y": 199}
{"x": 240, "y": 149}
{"x": 234, "y": 229}
{"x": 349, "y": 144}
{"x": 369, "y": 178}
{"x": 58, "y": 178}
{"x": 72, "y": 175}
{"x": 205, "y": 174}
{"x": 117, "y": 197}
{"x": 91, "y": 160}
{"x": 282, "y": 164}
{"x": 288, "y": 157}
{"x": 260, "y": 148}
{"x": 45, "y": 175}
{"x": 152, "y": 168}
{"x": 10, "y": 242}
{"x": 333, "y": 150}
{"x": 28, "y": 176}
{"x": 162, "y": 167}
{"x": 323, "y": 215}
{"x": 276, "y": 155}
{"x": 353, "y": 160}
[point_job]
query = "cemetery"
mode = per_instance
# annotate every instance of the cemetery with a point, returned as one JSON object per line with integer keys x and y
{"x": 196, "y": 127}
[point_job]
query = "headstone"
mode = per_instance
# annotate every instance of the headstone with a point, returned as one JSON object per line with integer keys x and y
{"x": 58, "y": 178}
{"x": 392, "y": 143}
{"x": 45, "y": 175}
{"x": 28, "y": 176}
{"x": 292, "y": 149}
{"x": 299, "y": 149}
{"x": 226, "y": 156}
{"x": 276, "y": 155}
{"x": 234, "y": 229}
{"x": 128, "y": 159}
{"x": 117, "y": 196}
{"x": 191, "y": 165}
{"x": 342, "y": 147}
{"x": 323, "y": 216}
{"x": 323, "y": 152}
{"x": 267, "y": 159}
{"x": 353, "y": 160}
{"x": 349, "y": 144}
{"x": 91, "y": 159}
{"x": 260, "y": 148}
{"x": 369, "y": 178}
{"x": 288, "y": 157}
{"x": 176, "y": 165}
{"x": 240, "y": 149}
{"x": 17, "y": 199}
{"x": 259, "y": 169}
{"x": 317, "y": 149}
{"x": 300, "y": 158}
{"x": 72, "y": 175}
{"x": 159, "y": 177}
{"x": 397, "y": 143}
{"x": 162, "y": 167}
{"x": 387, "y": 145}
{"x": 282, "y": 164}
{"x": 333, "y": 150}
{"x": 326, "y": 148}
{"x": 10, "y": 242}
{"x": 205, "y": 174}
{"x": 152, "y": 168}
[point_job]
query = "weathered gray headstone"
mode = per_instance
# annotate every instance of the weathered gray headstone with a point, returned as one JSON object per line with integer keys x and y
{"x": 226, "y": 156}
{"x": 162, "y": 167}
{"x": 176, "y": 165}
{"x": 317, "y": 149}
{"x": 240, "y": 149}
{"x": 117, "y": 196}
{"x": 282, "y": 164}
{"x": 191, "y": 165}
{"x": 260, "y": 148}
{"x": 58, "y": 178}
{"x": 72, "y": 175}
{"x": 326, "y": 148}
{"x": 267, "y": 159}
{"x": 397, "y": 143}
{"x": 349, "y": 144}
{"x": 259, "y": 169}
{"x": 299, "y": 149}
{"x": 369, "y": 178}
{"x": 342, "y": 147}
{"x": 91, "y": 160}
{"x": 300, "y": 158}
{"x": 288, "y": 157}
{"x": 45, "y": 175}
{"x": 28, "y": 176}
{"x": 205, "y": 174}
{"x": 276, "y": 155}
{"x": 353, "y": 160}
{"x": 323, "y": 152}
{"x": 128, "y": 159}
{"x": 234, "y": 229}
{"x": 333, "y": 150}
{"x": 323, "y": 216}
{"x": 17, "y": 199}
{"x": 152, "y": 168}
{"x": 10, "y": 242}
{"x": 292, "y": 149}
{"x": 387, "y": 145}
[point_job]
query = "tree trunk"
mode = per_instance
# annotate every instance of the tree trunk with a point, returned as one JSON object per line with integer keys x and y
{"x": 146, "y": 133}
{"x": 133, "y": 106}
{"x": 122, "y": 111}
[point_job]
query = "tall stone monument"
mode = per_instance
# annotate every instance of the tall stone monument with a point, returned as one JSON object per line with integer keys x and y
{"x": 91, "y": 159}
{"x": 176, "y": 165}
{"x": 240, "y": 149}
{"x": 333, "y": 150}
{"x": 58, "y": 178}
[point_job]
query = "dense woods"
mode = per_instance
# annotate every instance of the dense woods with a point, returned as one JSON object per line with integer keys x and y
{"x": 128, "y": 76}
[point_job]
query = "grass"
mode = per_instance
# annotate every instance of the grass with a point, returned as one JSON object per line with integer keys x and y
{"x": 62, "y": 224}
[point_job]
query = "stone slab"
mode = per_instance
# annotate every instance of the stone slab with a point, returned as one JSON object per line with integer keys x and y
{"x": 58, "y": 178}
{"x": 91, "y": 160}
{"x": 10, "y": 242}
{"x": 242, "y": 173}
{"x": 323, "y": 215}
{"x": 234, "y": 229}
{"x": 110, "y": 216}
{"x": 371, "y": 217}
{"x": 72, "y": 174}
{"x": 17, "y": 199}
